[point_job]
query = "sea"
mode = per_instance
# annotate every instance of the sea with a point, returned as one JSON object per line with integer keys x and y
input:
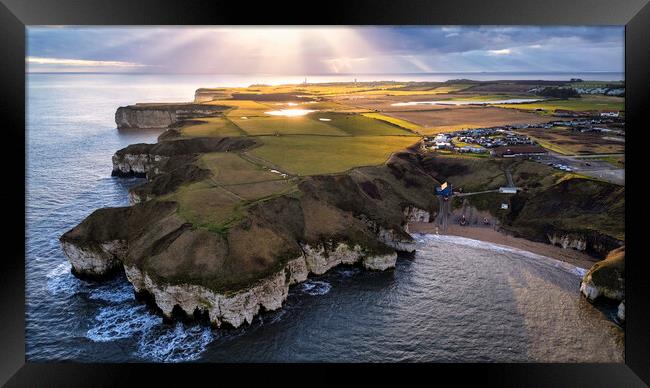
{"x": 456, "y": 300}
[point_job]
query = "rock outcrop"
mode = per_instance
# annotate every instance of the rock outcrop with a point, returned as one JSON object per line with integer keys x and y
{"x": 566, "y": 241}
{"x": 268, "y": 293}
{"x": 621, "y": 311}
{"x": 162, "y": 115}
{"x": 606, "y": 278}
{"x": 149, "y": 160}
{"x": 413, "y": 214}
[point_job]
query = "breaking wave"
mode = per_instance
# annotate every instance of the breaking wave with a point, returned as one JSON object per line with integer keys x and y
{"x": 428, "y": 239}
{"x": 61, "y": 282}
{"x": 315, "y": 287}
{"x": 174, "y": 344}
{"x": 119, "y": 322}
{"x": 114, "y": 292}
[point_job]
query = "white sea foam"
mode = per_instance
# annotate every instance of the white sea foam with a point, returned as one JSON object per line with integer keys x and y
{"x": 118, "y": 322}
{"x": 61, "y": 282}
{"x": 174, "y": 344}
{"x": 113, "y": 292}
{"x": 428, "y": 239}
{"x": 315, "y": 287}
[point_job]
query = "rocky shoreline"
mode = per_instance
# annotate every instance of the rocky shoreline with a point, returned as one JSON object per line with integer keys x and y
{"x": 232, "y": 308}
{"x": 267, "y": 294}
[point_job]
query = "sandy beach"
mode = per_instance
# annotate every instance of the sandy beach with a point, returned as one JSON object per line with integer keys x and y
{"x": 488, "y": 234}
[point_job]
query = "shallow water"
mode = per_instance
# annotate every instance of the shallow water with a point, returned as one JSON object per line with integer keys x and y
{"x": 456, "y": 300}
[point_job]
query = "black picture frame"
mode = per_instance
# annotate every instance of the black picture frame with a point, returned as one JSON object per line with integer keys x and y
{"x": 16, "y": 14}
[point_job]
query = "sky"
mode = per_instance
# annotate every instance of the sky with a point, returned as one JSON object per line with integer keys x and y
{"x": 325, "y": 50}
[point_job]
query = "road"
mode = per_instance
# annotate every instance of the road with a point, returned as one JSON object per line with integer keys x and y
{"x": 508, "y": 171}
{"x": 475, "y": 193}
{"x": 442, "y": 219}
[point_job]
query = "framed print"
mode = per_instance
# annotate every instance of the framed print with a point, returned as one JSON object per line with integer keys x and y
{"x": 371, "y": 184}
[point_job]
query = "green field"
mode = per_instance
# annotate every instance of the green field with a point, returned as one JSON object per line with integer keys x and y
{"x": 490, "y": 97}
{"x": 279, "y": 125}
{"x": 584, "y": 103}
{"x": 235, "y": 184}
{"x": 308, "y": 155}
{"x": 228, "y": 168}
{"x": 212, "y": 126}
{"x": 239, "y": 108}
{"x": 393, "y": 120}
{"x": 362, "y": 125}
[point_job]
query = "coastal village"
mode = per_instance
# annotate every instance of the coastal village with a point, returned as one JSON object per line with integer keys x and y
{"x": 511, "y": 141}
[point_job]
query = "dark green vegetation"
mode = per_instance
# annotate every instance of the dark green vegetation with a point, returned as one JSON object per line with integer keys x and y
{"x": 551, "y": 202}
{"x": 558, "y": 92}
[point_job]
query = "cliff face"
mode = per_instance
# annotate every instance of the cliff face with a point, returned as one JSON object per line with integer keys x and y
{"x": 581, "y": 214}
{"x": 606, "y": 279}
{"x": 161, "y": 115}
{"x": 552, "y": 207}
{"x": 150, "y": 160}
{"x": 356, "y": 217}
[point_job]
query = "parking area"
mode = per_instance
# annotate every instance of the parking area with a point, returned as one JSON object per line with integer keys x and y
{"x": 590, "y": 166}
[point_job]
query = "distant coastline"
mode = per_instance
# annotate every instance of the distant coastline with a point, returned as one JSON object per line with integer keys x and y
{"x": 276, "y": 79}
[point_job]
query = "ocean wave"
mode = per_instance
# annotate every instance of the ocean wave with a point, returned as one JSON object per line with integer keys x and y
{"x": 174, "y": 344}
{"x": 119, "y": 322}
{"x": 114, "y": 292}
{"x": 428, "y": 239}
{"x": 61, "y": 282}
{"x": 315, "y": 287}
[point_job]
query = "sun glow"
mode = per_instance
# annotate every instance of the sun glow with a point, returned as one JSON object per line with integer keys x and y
{"x": 289, "y": 112}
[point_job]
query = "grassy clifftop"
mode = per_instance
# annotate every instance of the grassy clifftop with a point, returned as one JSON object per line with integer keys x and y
{"x": 551, "y": 202}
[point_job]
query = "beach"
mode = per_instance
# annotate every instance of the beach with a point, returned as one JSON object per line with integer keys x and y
{"x": 488, "y": 234}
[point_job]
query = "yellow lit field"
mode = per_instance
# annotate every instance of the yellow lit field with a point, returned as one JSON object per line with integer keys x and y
{"x": 360, "y": 125}
{"x": 212, "y": 126}
{"x": 394, "y": 120}
{"x": 309, "y": 155}
{"x": 243, "y": 107}
{"x": 274, "y": 125}
{"x": 584, "y": 103}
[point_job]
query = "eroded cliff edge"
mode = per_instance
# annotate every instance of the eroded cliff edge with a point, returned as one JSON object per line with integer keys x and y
{"x": 606, "y": 279}
{"x": 233, "y": 270}
{"x": 162, "y": 115}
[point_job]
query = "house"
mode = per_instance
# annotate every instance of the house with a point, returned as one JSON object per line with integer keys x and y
{"x": 444, "y": 190}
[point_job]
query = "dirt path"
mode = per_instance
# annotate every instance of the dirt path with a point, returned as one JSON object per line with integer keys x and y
{"x": 264, "y": 163}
